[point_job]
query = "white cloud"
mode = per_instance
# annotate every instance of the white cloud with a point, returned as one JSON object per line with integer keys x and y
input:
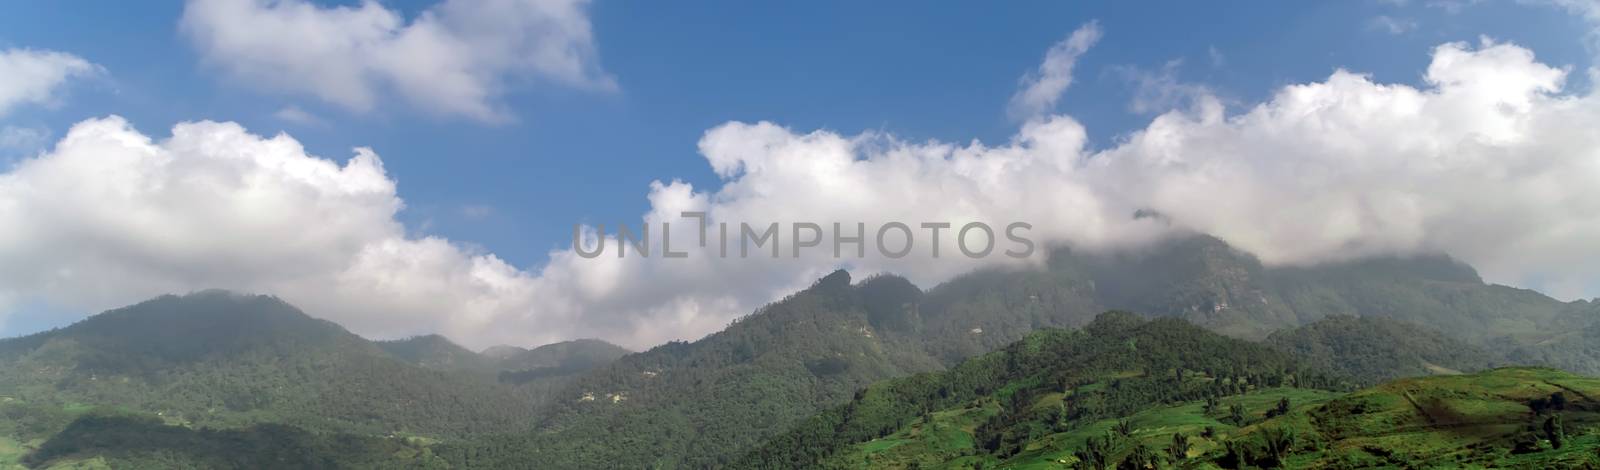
{"x": 294, "y": 115}
{"x": 1391, "y": 24}
{"x": 1043, "y": 88}
{"x": 29, "y": 76}
{"x": 110, "y": 216}
{"x": 456, "y": 58}
{"x": 1156, "y": 92}
{"x": 1490, "y": 160}
{"x": 1488, "y": 163}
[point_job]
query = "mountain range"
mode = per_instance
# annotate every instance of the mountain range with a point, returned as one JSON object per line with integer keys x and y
{"x": 191, "y": 369}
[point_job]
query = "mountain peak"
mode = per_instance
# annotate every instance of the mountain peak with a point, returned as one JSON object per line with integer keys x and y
{"x": 185, "y": 328}
{"x": 502, "y": 351}
{"x": 434, "y": 351}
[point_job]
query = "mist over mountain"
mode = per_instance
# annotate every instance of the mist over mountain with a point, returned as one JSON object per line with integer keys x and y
{"x": 1375, "y": 349}
{"x": 437, "y": 352}
{"x": 577, "y": 234}
{"x": 216, "y": 359}
{"x": 809, "y": 351}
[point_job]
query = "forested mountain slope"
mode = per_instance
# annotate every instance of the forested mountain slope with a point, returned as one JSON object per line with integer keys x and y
{"x": 439, "y": 353}
{"x": 1126, "y": 393}
{"x": 555, "y": 360}
{"x": 1376, "y": 349}
{"x": 701, "y": 402}
{"x": 221, "y": 359}
{"x": 698, "y": 404}
{"x": 1053, "y": 382}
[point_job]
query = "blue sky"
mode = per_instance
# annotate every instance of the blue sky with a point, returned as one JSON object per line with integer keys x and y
{"x": 917, "y": 70}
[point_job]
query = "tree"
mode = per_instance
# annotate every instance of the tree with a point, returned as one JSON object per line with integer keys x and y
{"x": 1094, "y": 453}
{"x": 1179, "y": 449}
{"x": 1281, "y": 409}
{"x": 1554, "y": 431}
{"x": 1141, "y": 458}
{"x": 1278, "y": 442}
{"x": 1236, "y": 414}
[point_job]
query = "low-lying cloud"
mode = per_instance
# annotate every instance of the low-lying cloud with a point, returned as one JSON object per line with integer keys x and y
{"x": 1490, "y": 160}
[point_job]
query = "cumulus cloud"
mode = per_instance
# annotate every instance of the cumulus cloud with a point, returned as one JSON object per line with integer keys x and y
{"x": 29, "y": 76}
{"x": 453, "y": 59}
{"x": 1043, "y": 88}
{"x": 1489, "y": 162}
{"x": 110, "y": 215}
{"x": 1489, "y": 159}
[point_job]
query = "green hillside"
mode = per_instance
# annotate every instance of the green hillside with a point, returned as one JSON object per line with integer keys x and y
{"x": 226, "y": 360}
{"x": 82, "y": 436}
{"x": 218, "y": 361}
{"x": 557, "y": 360}
{"x": 439, "y": 353}
{"x": 1017, "y": 403}
{"x": 1503, "y": 418}
{"x": 699, "y": 404}
{"x": 535, "y": 375}
{"x": 1375, "y": 349}
{"x": 1133, "y": 394}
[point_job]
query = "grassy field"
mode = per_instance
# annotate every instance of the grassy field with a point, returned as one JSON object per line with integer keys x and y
{"x": 1155, "y": 427}
{"x": 1482, "y": 420}
{"x": 947, "y": 436}
{"x": 11, "y": 453}
{"x": 944, "y": 439}
{"x": 1503, "y": 418}
{"x": 25, "y": 426}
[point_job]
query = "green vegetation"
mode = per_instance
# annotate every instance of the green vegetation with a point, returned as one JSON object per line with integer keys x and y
{"x": 1038, "y": 397}
{"x": 78, "y": 436}
{"x": 143, "y": 442}
{"x": 535, "y": 374}
{"x": 1503, "y": 418}
{"x": 439, "y": 353}
{"x": 1375, "y": 349}
{"x": 945, "y": 441}
{"x": 984, "y": 372}
{"x": 222, "y": 360}
{"x": 699, "y": 404}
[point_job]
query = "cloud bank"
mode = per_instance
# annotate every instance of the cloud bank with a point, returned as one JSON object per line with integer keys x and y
{"x": 454, "y": 59}
{"x": 1489, "y": 159}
